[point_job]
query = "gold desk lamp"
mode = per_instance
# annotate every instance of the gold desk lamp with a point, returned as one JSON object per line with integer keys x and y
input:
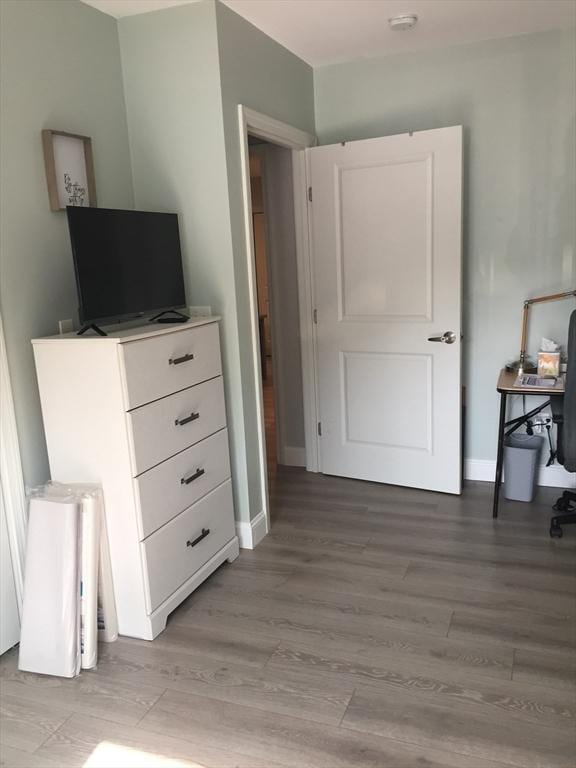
{"x": 524, "y": 340}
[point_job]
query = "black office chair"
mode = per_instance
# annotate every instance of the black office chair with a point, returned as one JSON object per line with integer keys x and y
{"x": 567, "y": 438}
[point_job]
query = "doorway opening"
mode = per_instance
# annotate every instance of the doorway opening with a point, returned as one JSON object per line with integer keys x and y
{"x": 276, "y": 271}
{"x": 261, "y": 255}
{"x": 386, "y": 244}
{"x": 285, "y": 145}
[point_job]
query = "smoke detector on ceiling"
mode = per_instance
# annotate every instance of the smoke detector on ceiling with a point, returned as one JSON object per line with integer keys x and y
{"x": 402, "y": 23}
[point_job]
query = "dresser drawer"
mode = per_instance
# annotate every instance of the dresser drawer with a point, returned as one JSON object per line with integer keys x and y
{"x": 167, "y": 426}
{"x": 174, "y": 485}
{"x": 182, "y": 546}
{"x": 156, "y": 367}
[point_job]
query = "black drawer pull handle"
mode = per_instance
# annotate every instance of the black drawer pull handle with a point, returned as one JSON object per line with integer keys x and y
{"x": 187, "y": 420}
{"x": 183, "y": 359}
{"x": 205, "y": 532}
{"x": 195, "y": 476}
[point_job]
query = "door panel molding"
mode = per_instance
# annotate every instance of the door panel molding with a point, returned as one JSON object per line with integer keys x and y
{"x": 388, "y": 223}
{"x": 389, "y": 420}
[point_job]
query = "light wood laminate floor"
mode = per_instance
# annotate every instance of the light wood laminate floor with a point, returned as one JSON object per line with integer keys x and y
{"x": 375, "y": 626}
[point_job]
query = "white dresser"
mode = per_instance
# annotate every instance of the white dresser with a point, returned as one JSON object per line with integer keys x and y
{"x": 142, "y": 412}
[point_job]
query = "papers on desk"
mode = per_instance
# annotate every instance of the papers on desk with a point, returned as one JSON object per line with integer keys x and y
{"x": 532, "y": 381}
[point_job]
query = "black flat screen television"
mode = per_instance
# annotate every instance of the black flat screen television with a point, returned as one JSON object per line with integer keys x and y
{"x": 127, "y": 263}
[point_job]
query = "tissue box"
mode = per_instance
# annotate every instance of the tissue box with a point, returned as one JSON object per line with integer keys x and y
{"x": 548, "y": 364}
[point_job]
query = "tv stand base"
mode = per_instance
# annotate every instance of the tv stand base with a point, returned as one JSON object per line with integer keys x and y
{"x": 91, "y": 327}
{"x": 175, "y": 317}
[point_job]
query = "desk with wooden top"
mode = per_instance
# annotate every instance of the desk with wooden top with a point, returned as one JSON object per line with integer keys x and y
{"x": 505, "y": 387}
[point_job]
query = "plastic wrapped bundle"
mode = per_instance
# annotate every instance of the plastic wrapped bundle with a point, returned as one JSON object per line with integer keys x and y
{"x": 90, "y": 530}
{"x": 97, "y": 604}
{"x": 107, "y": 617}
{"x": 69, "y": 597}
{"x": 50, "y": 632}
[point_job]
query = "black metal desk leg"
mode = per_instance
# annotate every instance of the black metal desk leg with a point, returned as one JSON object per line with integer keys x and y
{"x": 500, "y": 454}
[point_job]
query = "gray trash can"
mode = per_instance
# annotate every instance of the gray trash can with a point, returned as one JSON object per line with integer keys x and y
{"x": 521, "y": 461}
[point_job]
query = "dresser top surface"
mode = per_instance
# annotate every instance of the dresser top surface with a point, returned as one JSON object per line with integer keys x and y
{"x": 120, "y": 334}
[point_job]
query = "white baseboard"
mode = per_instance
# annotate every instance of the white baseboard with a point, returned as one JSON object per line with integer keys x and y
{"x": 485, "y": 469}
{"x": 251, "y": 534}
{"x": 293, "y": 456}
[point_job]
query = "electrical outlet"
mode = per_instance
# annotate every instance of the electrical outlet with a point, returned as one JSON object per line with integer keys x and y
{"x": 540, "y": 426}
{"x": 200, "y": 311}
{"x": 65, "y": 326}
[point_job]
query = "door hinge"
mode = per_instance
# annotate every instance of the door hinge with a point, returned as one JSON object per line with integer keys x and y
{"x": 315, "y": 316}
{"x": 310, "y": 194}
{"x": 319, "y": 429}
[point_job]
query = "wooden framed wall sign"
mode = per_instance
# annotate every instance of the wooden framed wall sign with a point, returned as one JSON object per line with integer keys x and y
{"x": 69, "y": 169}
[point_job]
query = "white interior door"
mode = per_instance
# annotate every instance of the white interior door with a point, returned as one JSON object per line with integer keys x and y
{"x": 386, "y": 254}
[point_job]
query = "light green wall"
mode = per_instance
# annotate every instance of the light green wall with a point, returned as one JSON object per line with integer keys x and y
{"x": 258, "y": 73}
{"x": 186, "y": 69}
{"x": 174, "y": 104}
{"x": 516, "y": 101}
{"x": 60, "y": 68}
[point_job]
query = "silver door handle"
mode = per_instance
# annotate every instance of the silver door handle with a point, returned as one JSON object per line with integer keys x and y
{"x": 448, "y": 337}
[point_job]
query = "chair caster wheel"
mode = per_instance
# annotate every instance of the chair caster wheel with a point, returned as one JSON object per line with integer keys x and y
{"x": 556, "y": 532}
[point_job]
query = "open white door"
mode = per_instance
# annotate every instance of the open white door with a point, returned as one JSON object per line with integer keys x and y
{"x": 386, "y": 253}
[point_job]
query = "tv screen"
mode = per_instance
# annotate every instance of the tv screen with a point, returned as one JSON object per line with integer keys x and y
{"x": 127, "y": 263}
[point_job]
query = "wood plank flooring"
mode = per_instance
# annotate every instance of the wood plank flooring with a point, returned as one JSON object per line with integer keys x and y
{"x": 375, "y": 626}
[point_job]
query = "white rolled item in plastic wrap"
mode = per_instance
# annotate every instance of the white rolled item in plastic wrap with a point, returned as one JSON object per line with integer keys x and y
{"x": 50, "y": 633}
{"x": 107, "y": 617}
{"x": 107, "y": 620}
{"x": 90, "y": 519}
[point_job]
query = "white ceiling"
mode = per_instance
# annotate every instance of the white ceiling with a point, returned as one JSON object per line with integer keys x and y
{"x": 120, "y": 8}
{"x": 327, "y": 31}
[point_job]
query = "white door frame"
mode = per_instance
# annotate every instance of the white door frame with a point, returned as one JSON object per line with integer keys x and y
{"x": 284, "y": 135}
{"x": 11, "y": 480}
